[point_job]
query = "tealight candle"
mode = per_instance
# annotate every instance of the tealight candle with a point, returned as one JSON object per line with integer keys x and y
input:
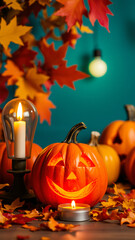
{"x": 74, "y": 212}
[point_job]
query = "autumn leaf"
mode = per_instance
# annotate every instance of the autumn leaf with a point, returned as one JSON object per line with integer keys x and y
{"x": 14, "y": 205}
{"x": 84, "y": 29}
{"x": 2, "y": 218}
{"x": 32, "y": 214}
{"x": 55, "y": 226}
{"x": 129, "y": 219}
{"x": 4, "y": 185}
{"x": 3, "y": 89}
{"x": 24, "y": 57}
{"x": 42, "y": 2}
{"x": 12, "y": 32}
{"x": 71, "y": 36}
{"x": 98, "y": 11}
{"x": 43, "y": 105}
{"x": 73, "y": 11}
{"x": 67, "y": 75}
{"x": 12, "y": 72}
{"x": 13, "y": 4}
{"x": 31, "y": 228}
{"x": 110, "y": 203}
{"x": 31, "y": 84}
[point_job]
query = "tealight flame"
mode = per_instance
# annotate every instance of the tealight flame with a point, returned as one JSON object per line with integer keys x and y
{"x": 73, "y": 204}
{"x": 19, "y": 112}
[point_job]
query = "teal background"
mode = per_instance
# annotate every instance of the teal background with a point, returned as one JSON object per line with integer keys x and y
{"x": 96, "y": 101}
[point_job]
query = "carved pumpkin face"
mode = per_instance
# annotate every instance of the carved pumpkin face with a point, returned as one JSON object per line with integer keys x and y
{"x": 69, "y": 171}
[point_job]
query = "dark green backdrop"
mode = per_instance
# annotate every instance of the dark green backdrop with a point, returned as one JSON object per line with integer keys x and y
{"x": 96, "y": 101}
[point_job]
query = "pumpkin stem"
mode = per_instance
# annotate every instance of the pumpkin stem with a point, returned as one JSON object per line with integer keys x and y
{"x": 72, "y": 135}
{"x": 130, "y": 109}
{"x": 94, "y": 138}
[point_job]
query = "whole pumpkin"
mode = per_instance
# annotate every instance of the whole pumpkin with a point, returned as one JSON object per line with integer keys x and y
{"x": 130, "y": 166}
{"x": 121, "y": 134}
{"x": 69, "y": 171}
{"x": 109, "y": 155}
{"x": 6, "y": 164}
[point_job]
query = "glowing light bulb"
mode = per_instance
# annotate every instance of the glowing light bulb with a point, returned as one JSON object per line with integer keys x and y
{"x": 97, "y": 66}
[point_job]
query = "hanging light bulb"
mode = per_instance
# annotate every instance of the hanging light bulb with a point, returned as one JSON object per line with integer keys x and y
{"x": 97, "y": 66}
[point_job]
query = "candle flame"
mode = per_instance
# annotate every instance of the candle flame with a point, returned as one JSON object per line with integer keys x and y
{"x": 73, "y": 204}
{"x": 19, "y": 112}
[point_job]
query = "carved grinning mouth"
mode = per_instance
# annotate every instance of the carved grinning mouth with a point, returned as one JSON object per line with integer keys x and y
{"x": 84, "y": 192}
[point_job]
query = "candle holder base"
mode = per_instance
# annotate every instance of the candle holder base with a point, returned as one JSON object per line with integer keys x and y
{"x": 18, "y": 189}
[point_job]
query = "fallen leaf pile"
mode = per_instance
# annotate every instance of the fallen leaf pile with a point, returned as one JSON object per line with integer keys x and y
{"x": 16, "y": 214}
{"x": 119, "y": 206}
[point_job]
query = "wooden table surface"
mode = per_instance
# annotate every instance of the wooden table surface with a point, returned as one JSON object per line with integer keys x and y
{"x": 86, "y": 231}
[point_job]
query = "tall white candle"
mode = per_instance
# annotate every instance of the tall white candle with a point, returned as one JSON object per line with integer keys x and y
{"x": 20, "y": 134}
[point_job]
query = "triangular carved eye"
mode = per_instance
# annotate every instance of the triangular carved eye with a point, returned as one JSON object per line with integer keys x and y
{"x": 56, "y": 160}
{"x": 85, "y": 161}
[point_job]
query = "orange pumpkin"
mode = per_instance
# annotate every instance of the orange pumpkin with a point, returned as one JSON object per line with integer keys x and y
{"x": 130, "y": 166}
{"x": 121, "y": 134}
{"x": 109, "y": 155}
{"x": 6, "y": 164}
{"x": 69, "y": 171}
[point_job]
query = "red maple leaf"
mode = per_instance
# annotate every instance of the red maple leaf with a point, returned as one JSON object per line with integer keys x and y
{"x": 73, "y": 11}
{"x": 70, "y": 37}
{"x": 24, "y": 57}
{"x": 3, "y": 89}
{"x": 67, "y": 75}
{"x": 52, "y": 57}
{"x": 99, "y": 11}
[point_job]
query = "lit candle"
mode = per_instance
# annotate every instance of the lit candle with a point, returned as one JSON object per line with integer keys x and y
{"x": 73, "y": 211}
{"x": 20, "y": 134}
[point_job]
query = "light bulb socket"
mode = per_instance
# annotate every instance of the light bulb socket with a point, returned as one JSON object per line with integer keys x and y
{"x": 97, "y": 53}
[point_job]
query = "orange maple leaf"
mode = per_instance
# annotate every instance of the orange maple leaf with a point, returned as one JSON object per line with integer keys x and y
{"x": 12, "y": 32}
{"x": 43, "y": 105}
{"x": 13, "y": 72}
{"x": 31, "y": 84}
{"x": 14, "y": 205}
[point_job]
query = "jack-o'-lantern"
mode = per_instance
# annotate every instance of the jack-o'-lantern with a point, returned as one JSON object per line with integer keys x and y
{"x": 121, "y": 135}
{"x": 69, "y": 171}
{"x": 109, "y": 155}
{"x": 6, "y": 164}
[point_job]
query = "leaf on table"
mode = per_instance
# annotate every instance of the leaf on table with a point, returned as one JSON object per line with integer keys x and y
{"x": 100, "y": 214}
{"x": 44, "y": 238}
{"x": 12, "y": 32}
{"x": 130, "y": 195}
{"x": 98, "y": 11}
{"x": 31, "y": 228}
{"x": 4, "y": 185}
{"x": 55, "y": 226}
{"x": 14, "y": 205}
{"x": 20, "y": 237}
{"x": 67, "y": 75}
{"x": 129, "y": 204}
{"x": 3, "y": 219}
{"x": 43, "y": 105}
{"x": 20, "y": 219}
{"x": 32, "y": 214}
{"x": 118, "y": 189}
{"x": 129, "y": 219}
{"x": 110, "y": 203}
{"x": 13, "y": 4}
{"x": 31, "y": 84}
{"x": 132, "y": 225}
{"x": 72, "y": 11}
{"x": 12, "y": 72}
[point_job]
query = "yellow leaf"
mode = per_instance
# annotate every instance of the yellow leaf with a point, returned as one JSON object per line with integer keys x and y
{"x": 84, "y": 29}
{"x": 12, "y": 32}
{"x": 31, "y": 2}
{"x": 2, "y": 218}
{"x": 41, "y": 2}
{"x": 14, "y": 205}
{"x": 13, "y": 4}
{"x": 109, "y": 203}
{"x": 31, "y": 84}
{"x": 129, "y": 204}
